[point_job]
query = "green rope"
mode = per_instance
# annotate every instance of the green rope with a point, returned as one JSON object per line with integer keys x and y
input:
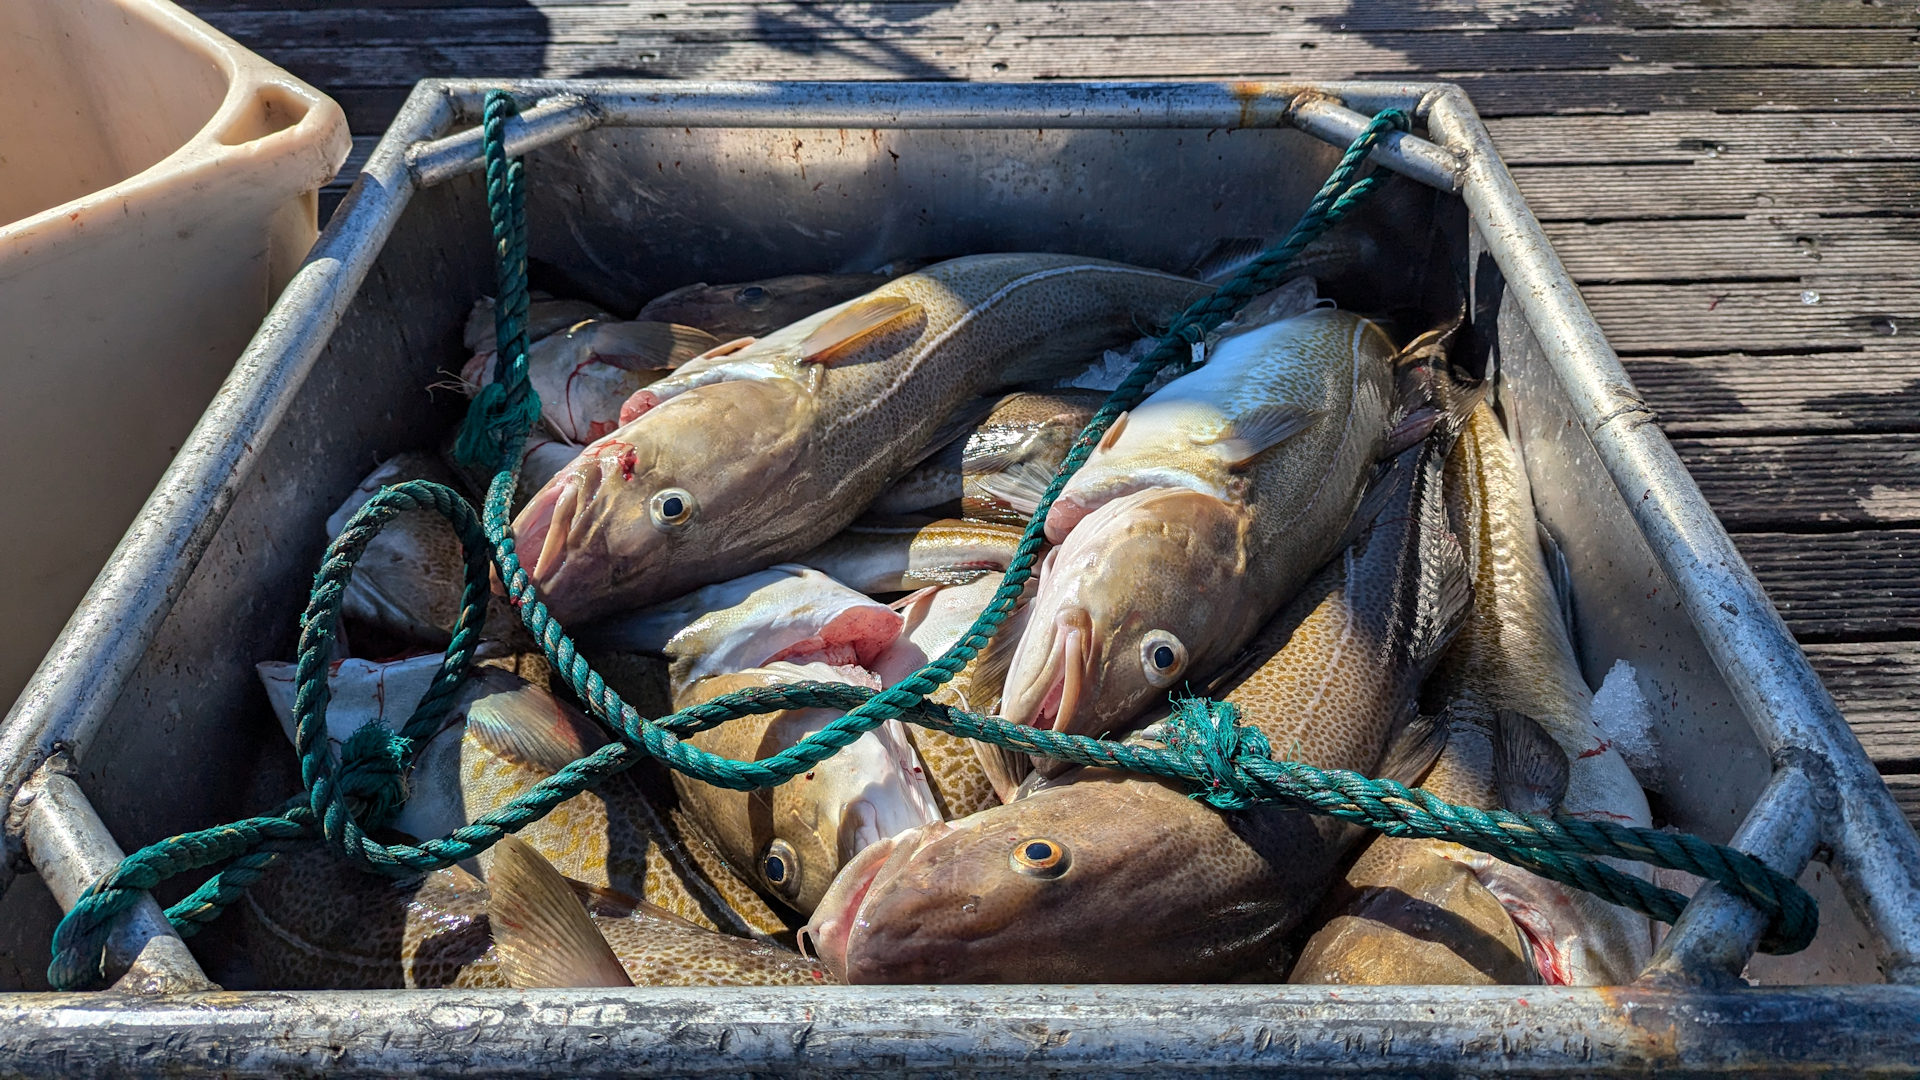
{"x": 1209, "y": 750}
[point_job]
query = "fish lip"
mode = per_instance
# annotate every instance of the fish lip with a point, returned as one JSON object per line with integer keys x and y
{"x": 1073, "y": 662}
{"x": 831, "y": 928}
{"x": 1065, "y": 513}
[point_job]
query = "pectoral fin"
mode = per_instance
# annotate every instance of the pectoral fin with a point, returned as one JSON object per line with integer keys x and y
{"x": 649, "y": 346}
{"x": 1258, "y": 430}
{"x": 1414, "y": 750}
{"x": 525, "y": 724}
{"x": 1530, "y": 770}
{"x": 853, "y": 323}
{"x": 540, "y": 927}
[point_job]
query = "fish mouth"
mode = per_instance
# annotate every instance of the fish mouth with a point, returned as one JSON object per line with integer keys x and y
{"x": 1065, "y": 513}
{"x": 830, "y": 931}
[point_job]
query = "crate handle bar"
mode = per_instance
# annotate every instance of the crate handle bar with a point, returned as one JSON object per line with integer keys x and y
{"x": 935, "y": 105}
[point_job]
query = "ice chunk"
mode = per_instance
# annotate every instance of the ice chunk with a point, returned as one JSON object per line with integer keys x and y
{"x": 1626, "y": 719}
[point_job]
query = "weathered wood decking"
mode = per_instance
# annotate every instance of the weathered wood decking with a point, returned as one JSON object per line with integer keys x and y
{"x": 1733, "y": 184}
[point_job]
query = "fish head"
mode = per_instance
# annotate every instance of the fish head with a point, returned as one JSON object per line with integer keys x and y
{"x": 1142, "y": 596}
{"x": 791, "y": 840}
{"x": 1027, "y": 891}
{"x": 667, "y": 502}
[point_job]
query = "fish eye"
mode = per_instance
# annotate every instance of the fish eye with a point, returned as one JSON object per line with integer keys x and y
{"x": 1162, "y": 657}
{"x": 1039, "y": 857}
{"x": 753, "y": 298}
{"x": 670, "y": 507}
{"x": 781, "y": 867}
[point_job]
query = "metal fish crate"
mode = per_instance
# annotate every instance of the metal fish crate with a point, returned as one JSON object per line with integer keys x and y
{"x": 146, "y": 719}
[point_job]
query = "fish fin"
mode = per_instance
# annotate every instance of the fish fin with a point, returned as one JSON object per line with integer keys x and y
{"x": 725, "y": 348}
{"x": 1561, "y": 575}
{"x": 1445, "y": 596}
{"x": 526, "y": 724}
{"x": 1530, "y": 770}
{"x": 540, "y": 927}
{"x": 1020, "y": 485}
{"x": 1413, "y": 751}
{"x": 853, "y": 323}
{"x": 649, "y": 346}
{"x": 1256, "y": 431}
{"x": 1225, "y": 258}
{"x": 1387, "y": 481}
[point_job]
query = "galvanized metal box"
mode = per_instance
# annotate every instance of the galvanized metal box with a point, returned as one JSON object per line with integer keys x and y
{"x": 147, "y": 713}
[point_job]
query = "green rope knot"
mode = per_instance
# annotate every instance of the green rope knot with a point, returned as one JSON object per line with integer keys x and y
{"x": 497, "y": 420}
{"x": 373, "y": 772}
{"x": 1211, "y": 730}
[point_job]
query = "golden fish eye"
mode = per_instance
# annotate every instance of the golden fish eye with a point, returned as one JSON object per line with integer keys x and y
{"x": 781, "y": 867}
{"x": 1162, "y": 657}
{"x": 670, "y": 507}
{"x": 1039, "y": 857}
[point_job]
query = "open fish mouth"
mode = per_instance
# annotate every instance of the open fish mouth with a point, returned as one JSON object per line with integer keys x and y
{"x": 548, "y": 525}
{"x": 1072, "y": 664}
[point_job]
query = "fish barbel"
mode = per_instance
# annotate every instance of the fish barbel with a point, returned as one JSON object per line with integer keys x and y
{"x": 1199, "y": 515}
{"x": 1107, "y": 877}
{"x": 755, "y": 453}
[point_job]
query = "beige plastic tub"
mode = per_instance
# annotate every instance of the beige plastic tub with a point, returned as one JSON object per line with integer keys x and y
{"x": 157, "y": 188}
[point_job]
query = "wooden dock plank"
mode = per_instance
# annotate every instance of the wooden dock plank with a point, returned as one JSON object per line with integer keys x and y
{"x": 1681, "y": 137}
{"x": 1783, "y": 246}
{"x": 1772, "y": 482}
{"x": 1809, "y": 315}
{"x": 1837, "y": 587}
{"x": 1873, "y": 683}
{"x": 1742, "y": 394}
{"x": 1718, "y": 188}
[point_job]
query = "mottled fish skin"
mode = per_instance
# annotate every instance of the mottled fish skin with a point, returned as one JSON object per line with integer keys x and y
{"x": 884, "y": 556}
{"x": 756, "y": 455}
{"x": 316, "y": 923}
{"x": 790, "y": 840}
{"x": 1412, "y": 912}
{"x": 998, "y": 470}
{"x": 757, "y": 308}
{"x": 1105, "y": 877}
{"x": 586, "y": 371}
{"x": 1202, "y": 512}
{"x": 1514, "y": 654}
{"x": 408, "y": 581}
{"x": 957, "y": 769}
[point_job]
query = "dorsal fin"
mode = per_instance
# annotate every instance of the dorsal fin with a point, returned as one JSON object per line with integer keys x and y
{"x": 540, "y": 927}
{"x": 852, "y": 323}
{"x": 1112, "y": 434}
{"x": 1530, "y": 770}
{"x": 1260, "y": 429}
{"x": 525, "y": 724}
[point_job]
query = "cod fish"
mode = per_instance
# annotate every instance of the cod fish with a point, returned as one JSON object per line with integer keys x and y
{"x": 792, "y": 839}
{"x": 785, "y": 612}
{"x": 1105, "y": 877}
{"x": 1514, "y": 655}
{"x": 1200, "y": 514}
{"x": 407, "y": 583}
{"x": 999, "y": 469}
{"x": 883, "y": 556}
{"x": 757, "y": 308}
{"x": 786, "y": 624}
{"x": 586, "y": 371}
{"x": 1413, "y": 911}
{"x": 502, "y": 737}
{"x": 316, "y": 923}
{"x": 754, "y": 454}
